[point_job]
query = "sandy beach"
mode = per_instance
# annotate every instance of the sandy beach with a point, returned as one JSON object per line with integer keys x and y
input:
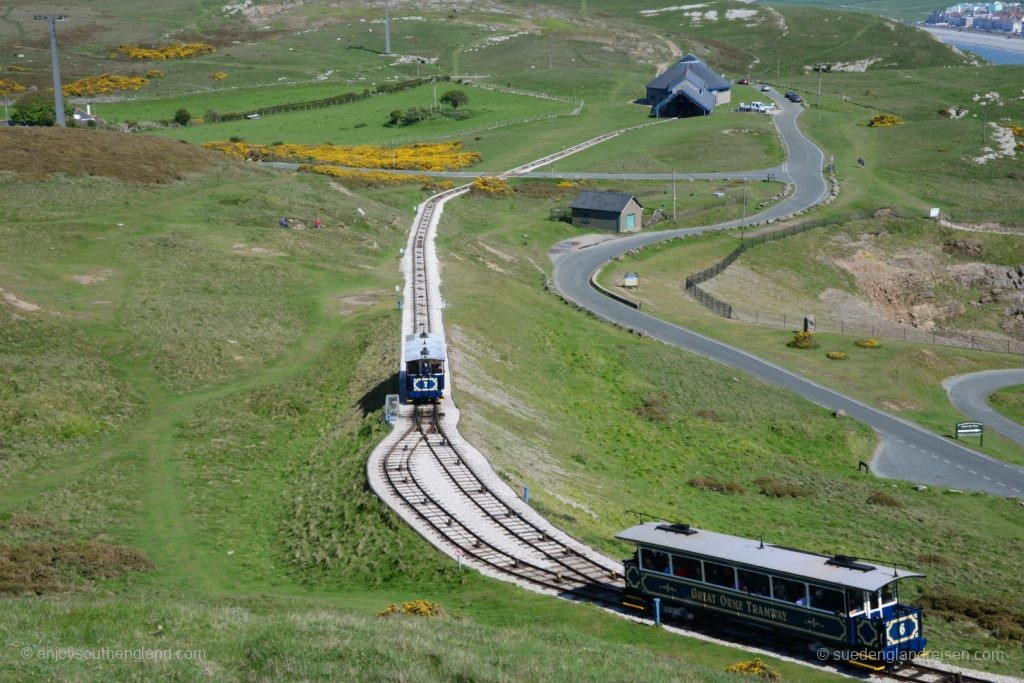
{"x": 993, "y": 40}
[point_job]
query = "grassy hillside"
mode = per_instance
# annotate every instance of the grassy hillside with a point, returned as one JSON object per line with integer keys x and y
{"x": 188, "y": 400}
{"x": 597, "y": 421}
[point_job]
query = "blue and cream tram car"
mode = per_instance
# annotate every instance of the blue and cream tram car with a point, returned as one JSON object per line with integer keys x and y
{"x": 840, "y": 601}
{"x": 424, "y": 359}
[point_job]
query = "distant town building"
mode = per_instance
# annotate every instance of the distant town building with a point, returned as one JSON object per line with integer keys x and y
{"x": 616, "y": 211}
{"x": 991, "y": 17}
{"x": 687, "y": 88}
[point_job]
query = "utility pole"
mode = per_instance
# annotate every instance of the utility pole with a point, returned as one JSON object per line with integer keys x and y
{"x": 743, "y": 221}
{"x": 984, "y": 121}
{"x": 673, "y": 194}
{"x": 820, "y": 69}
{"x": 387, "y": 27}
{"x": 58, "y": 94}
{"x": 434, "y": 105}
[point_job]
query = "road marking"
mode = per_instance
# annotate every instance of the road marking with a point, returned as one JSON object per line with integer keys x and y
{"x": 988, "y": 478}
{"x": 946, "y": 461}
{"x": 972, "y": 471}
{"x": 959, "y": 467}
{"x": 1001, "y": 483}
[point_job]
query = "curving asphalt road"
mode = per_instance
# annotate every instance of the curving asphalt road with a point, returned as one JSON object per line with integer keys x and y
{"x": 969, "y": 393}
{"x": 907, "y": 451}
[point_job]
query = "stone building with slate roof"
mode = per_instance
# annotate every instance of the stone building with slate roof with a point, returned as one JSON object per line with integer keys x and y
{"x": 616, "y": 211}
{"x": 687, "y": 88}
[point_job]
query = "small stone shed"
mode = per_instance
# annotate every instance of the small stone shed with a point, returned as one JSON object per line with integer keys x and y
{"x": 605, "y": 210}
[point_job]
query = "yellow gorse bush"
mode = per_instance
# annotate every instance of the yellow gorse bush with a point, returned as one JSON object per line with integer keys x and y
{"x": 491, "y": 185}
{"x": 836, "y": 355}
{"x": 104, "y": 83}
{"x": 219, "y": 75}
{"x": 756, "y": 667}
{"x": 443, "y": 156}
{"x": 154, "y": 73}
{"x": 418, "y": 608}
{"x": 17, "y": 67}
{"x": 176, "y": 51}
{"x": 882, "y": 120}
{"x": 7, "y": 86}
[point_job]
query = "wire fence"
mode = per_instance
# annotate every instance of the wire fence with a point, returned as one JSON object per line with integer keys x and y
{"x": 836, "y": 325}
{"x": 723, "y": 308}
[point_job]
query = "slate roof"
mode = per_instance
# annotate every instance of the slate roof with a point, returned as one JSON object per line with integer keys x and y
{"x": 770, "y": 557}
{"x": 602, "y": 201}
{"x": 691, "y": 68}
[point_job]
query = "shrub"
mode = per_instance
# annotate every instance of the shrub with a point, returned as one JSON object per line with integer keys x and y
{"x": 441, "y": 156}
{"x": 154, "y": 73}
{"x": 882, "y": 120}
{"x": 755, "y": 667}
{"x": 219, "y": 75}
{"x": 182, "y": 117}
{"x": 455, "y": 98}
{"x": 712, "y": 484}
{"x": 103, "y": 83}
{"x": 492, "y": 185}
{"x": 836, "y": 355}
{"x": 176, "y": 51}
{"x": 884, "y": 498}
{"x": 776, "y": 488}
{"x": 803, "y": 340}
{"x": 870, "y": 343}
{"x": 9, "y": 87}
{"x": 36, "y": 109}
{"x": 417, "y": 608}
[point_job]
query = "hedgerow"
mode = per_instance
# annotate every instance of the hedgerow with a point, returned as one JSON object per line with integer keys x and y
{"x": 104, "y": 83}
{"x": 441, "y": 156}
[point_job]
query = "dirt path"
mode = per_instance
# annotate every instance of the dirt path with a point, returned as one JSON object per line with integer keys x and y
{"x": 674, "y": 49}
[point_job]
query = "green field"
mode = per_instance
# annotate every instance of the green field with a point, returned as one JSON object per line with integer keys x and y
{"x": 694, "y": 144}
{"x": 1010, "y": 402}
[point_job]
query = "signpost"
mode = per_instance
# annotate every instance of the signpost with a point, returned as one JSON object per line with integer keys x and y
{"x": 971, "y": 429}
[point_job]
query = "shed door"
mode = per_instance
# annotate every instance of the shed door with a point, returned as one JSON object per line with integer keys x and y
{"x": 631, "y": 222}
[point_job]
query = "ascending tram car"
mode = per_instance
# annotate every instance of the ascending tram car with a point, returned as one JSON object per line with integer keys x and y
{"x": 843, "y": 603}
{"x": 424, "y": 360}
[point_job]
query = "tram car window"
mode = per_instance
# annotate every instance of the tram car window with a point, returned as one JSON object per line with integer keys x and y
{"x": 826, "y": 599}
{"x": 720, "y": 575}
{"x": 789, "y": 591}
{"x": 754, "y": 583}
{"x": 687, "y": 568}
{"x": 655, "y": 561}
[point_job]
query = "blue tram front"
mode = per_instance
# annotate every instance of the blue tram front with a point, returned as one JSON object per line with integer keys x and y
{"x": 424, "y": 360}
{"x": 851, "y": 606}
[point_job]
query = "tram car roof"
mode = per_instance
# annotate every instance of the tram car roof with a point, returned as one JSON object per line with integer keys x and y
{"x": 432, "y": 343}
{"x": 836, "y": 569}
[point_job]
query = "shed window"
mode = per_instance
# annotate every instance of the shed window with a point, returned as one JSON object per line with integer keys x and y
{"x": 720, "y": 575}
{"x": 687, "y": 568}
{"x": 789, "y": 591}
{"x": 826, "y": 599}
{"x": 654, "y": 560}
{"x": 754, "y": 583}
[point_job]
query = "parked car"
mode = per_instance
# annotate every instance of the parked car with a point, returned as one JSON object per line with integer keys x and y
{"x": 796, "y": 98}
{"x": 766, "y": 88}
{"x": 743, "y": 81}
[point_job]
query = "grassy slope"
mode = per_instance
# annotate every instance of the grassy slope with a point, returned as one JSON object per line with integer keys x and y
{"x": 1010, "y": 402}
{"x": 597, "y": 422}
{"x": 228, "y": 445}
